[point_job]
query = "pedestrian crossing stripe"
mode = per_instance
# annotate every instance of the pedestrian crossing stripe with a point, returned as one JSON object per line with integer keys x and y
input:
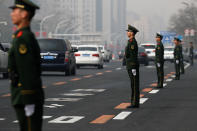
{"x": 123, "y": 115}
{"x": 53, "y": 106}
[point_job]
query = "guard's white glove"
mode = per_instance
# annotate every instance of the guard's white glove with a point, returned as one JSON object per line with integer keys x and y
{"x": 29, "y": 110}
{"x": 177, "y": 61}
{"x": 158, "y": 64}
{"x": 134, "y": 72}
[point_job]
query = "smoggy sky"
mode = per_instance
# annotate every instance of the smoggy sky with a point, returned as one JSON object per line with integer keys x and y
{"x": 159, "y": 7}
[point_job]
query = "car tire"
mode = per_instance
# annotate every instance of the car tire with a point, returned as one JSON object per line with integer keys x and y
{"x": 5, "y": 75}
{"x": 100, "y": 66}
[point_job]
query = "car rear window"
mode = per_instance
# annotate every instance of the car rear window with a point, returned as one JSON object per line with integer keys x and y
{"x": 148, "y": 46}
{"x": 87, "y": 49}
{"x": 141, "y": 50}
{"x": 52, "y": 45}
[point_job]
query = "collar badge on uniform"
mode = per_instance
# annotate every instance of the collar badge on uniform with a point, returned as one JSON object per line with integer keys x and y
{"x": 19, "y": 34}
{"x": 22, "y": 49}
{"x": 132, "y": 47}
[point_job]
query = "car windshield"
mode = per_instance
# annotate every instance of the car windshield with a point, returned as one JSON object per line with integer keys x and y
{"x": 169, "y": 49}
{"x": 52, "y": 45}
{"x": 148, "y": 46}
{"x": 87, "y": 49}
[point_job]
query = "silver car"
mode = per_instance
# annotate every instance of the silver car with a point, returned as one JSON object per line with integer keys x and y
{"x": 4, "y": 47}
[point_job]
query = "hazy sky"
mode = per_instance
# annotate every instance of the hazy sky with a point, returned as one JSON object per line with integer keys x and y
{"x": 160, "y": 7}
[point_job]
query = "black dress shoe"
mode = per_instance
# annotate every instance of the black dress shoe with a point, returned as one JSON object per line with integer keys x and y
{"x": 133, "y": 106}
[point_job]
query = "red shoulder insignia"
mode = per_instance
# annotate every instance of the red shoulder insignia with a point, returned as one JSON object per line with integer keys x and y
{"x": 130, "y": 40}
{"x": 19, "y": 34}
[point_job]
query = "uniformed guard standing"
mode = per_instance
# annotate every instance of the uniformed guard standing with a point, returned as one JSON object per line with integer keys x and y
{"x": 159, "y": 60}
{"x": 191, "y": 53}
{"x": 131, "y": 54}
{"x": 177, "y": 57}
{"x": 27, "y": 95}
{"x": 182, "y": 59}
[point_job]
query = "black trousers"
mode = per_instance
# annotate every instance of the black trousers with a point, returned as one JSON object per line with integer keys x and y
{"x": 135, "y": 91}
{"x": 32, "y": 123}
{"x": 160, "y": 75}
{"x": 177, "y": 69}
{"x": 182, "y": 66}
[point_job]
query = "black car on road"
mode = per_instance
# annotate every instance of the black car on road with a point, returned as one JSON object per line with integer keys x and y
{"x": 57, "y": 55}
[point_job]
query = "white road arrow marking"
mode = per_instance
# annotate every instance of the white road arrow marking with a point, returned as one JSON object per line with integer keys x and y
{"x": 89, "y": 90}
{"x": 64, "y": 99}
{"x": 122, "y": 115}
{"x": 77, "y": 94}
{"x": 67, "y": 119}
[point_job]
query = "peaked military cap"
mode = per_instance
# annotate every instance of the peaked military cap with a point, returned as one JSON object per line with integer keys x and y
{"x": 25, "y": 4}
{"x": 132, "y": 29}
{"x": 177, "y": 39}
{"x": 159, "y": 36}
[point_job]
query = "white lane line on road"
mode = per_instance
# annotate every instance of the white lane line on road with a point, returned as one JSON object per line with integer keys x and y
{"x": 118, "y": 69}
{"x": 187, "y": 66}
{"x": 67, "y": 119}
{"x": 77, "y": 94}
{"x": 173, "y": 76}
{"x": 169, "y": 80}
{"x": 154, "y": 91}
{"x": 46, "y": 117}
{"x": 64, "y": 99}
{"x": 2, "y": 119}
{"x": 164, "y": 85}
{"x": 122, "y": 115}
{"x": 143, "y": 100}
{"x": 89, "y": 90}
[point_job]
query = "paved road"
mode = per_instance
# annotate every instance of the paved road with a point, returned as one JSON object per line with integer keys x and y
{"x": 96, "y": 100}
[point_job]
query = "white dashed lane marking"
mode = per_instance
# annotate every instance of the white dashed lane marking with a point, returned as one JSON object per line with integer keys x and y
{"x": 143, "y": 100}
{"x": 67, "y": 119}
{"x": 118, "y": 68}
{"x": 164, "y": 85}
{"x": 154, "y": 91}
{"x": 122, "y": 115}
{"x": 2, "y": 119}
{"x": 169, "y": 80}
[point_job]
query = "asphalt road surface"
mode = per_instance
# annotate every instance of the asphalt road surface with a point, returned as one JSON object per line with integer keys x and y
{"x": 96, "y": 100}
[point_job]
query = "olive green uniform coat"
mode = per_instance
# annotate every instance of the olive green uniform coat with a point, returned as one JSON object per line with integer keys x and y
{"x": 191, "y": 54}
{"x": 177, "y": 56}
{"x": 159, "y": 59}
{"x": 25, "y": 71}
{"x": 131, "y": 54}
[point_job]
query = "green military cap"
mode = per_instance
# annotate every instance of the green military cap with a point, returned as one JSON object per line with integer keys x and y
{"x": 132, "y": 29}
{"x": 159, "y": 36}
{"x": 25, "y": 4}
{"x": 177, "y": 39}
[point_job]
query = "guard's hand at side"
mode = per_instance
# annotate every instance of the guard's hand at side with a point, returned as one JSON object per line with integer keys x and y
{"x": 177, "y": 61}
{"x": 158, "y": 64}
{"x": 29, "y": 110}
{"x": 134, "y": 72}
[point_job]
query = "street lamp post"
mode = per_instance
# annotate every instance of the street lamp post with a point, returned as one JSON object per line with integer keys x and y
{"x": 58, "y": 25}
{"x": 42, "y": 22}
